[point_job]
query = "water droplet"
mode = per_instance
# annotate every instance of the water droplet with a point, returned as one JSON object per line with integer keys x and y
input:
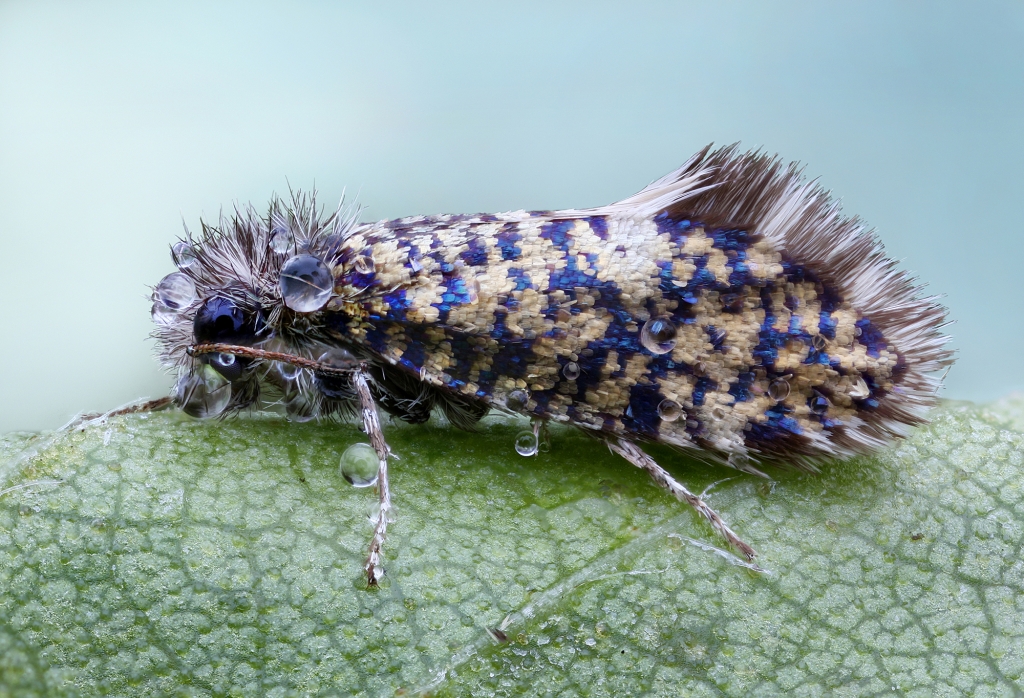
{"x": 306, "y": 283}
{"x": 818, "y": 342}
{"x": 161, "y": 314}
{"x": 658, "y": 335}
{"x": 287, "y": 371}
{"x": 544, "y": 445}
{"x": 183, "y": 255}
{"x": 669, "y": 410}
{"x": 819, "y": 404}
{"x": 857, "y": 332}
{"x": 115, "y": 466}
{"x": 700, "y": 369}
{"x": 359, "y": 465}
{"x": 526, "y": 443}
{"x": 517, "y": 400}
{"x": 778, "y": 390}
{"x": 571, "y": 371}
{"x": 860, "y": 390}
{"x": 364, "y": 264}
{"x": 301, "y": 407}
{"x": 281, "y": 240}
{"x": 176, "y": 291}
{"x": 24, "y": 509}
{"x": 338, "y": 357}
{"x": 223, "y": 360}
{"x": 204, "y": 393}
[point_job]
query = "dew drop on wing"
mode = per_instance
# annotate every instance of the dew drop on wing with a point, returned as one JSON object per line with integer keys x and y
{"x": 364, "y": 264}
{"x": 571, "y": 371}
{"x": 669, "y": 410}
{"x": 778, "y": 390}
{"x": 658, "y": 335}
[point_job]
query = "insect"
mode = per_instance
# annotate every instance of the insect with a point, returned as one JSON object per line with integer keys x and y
{"x": 728, "y": 309}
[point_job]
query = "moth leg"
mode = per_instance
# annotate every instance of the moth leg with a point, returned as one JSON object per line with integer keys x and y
{"x": 634, "y": 455}
{"x": 137, "y": 407}
{"x": 371, "y": 425}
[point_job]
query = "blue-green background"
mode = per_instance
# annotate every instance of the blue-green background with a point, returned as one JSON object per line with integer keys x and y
{"x": 118, "y": 120}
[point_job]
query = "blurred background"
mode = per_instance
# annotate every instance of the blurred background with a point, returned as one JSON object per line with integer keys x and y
{"x": 120, "y": 120}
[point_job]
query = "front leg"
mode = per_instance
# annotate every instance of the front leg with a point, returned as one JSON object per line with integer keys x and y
{"x": 634, "y": 455}
{"x": 371, "y": 425}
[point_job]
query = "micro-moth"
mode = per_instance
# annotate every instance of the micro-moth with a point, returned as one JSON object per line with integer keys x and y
{"x": 728, "y": 309}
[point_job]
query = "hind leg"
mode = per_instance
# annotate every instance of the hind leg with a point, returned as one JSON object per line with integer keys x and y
{"x": 634, "y": 455}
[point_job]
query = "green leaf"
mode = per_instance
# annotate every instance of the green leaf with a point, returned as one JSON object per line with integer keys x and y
{"x": 153, "y": 554}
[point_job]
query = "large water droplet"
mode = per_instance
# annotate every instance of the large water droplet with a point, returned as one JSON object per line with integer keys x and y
{"x": 571, "y": 371}
{"x": 669, "y": 410}
{"x": 778, "y": 389}
{"x": 306, "y": 283}
{"x": 281, "y": 240}
{"x": 176, "y": 291}
{"x": 359, "y": 465}
{"x": 183, "y": 255}
{"x": 527, "y": 443}
{"x": 658, "y": 335}
{"x": 204, "y": 393}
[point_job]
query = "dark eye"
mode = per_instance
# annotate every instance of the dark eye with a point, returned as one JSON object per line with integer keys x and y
{"x": 221, "y": 321}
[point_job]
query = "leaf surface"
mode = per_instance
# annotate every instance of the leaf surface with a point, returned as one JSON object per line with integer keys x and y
{"x": 154, "y": 554}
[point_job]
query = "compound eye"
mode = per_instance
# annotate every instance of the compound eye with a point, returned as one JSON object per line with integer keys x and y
{"x": 219, "y": 320}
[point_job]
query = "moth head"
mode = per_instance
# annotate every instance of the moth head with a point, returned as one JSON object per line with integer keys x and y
{"x": 251, "y": 288}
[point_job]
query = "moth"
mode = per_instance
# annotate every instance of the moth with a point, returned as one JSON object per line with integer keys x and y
{"x": 729, "y": 309}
